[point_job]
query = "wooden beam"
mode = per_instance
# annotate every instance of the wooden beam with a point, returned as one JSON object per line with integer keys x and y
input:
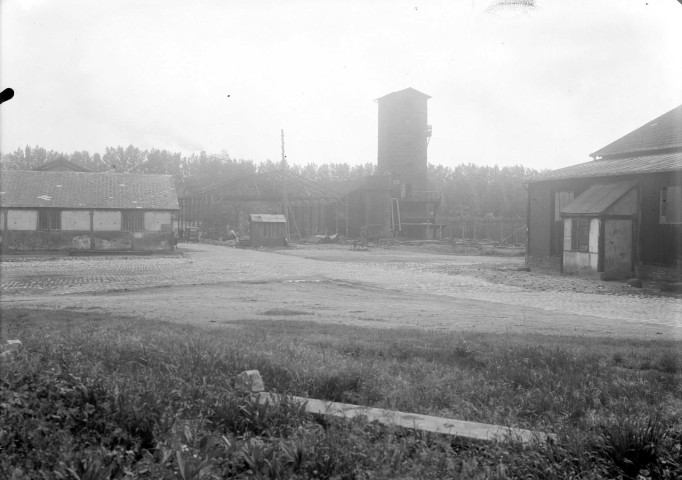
{"x": 426, "y": 423}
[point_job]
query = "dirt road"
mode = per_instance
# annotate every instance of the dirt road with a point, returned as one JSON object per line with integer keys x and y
{"x": 395, "y": 287}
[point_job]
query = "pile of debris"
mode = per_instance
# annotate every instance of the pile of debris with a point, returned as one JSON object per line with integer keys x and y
{"x": 323, "y": 238}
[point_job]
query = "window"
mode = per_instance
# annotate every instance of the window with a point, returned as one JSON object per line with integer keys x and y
{"x": 49, "y": 219}
{"x": 132, "y": 221}
{"x": 671, "y": 205}
{"x": 580, "y": 234}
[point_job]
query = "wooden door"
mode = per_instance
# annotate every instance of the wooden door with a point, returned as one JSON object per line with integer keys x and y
{"x": 618, "y": 247}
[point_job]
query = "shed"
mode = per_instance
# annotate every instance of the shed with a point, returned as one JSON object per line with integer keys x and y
{"x": 618, "y": 215}
{"x": 599, "y": 229}
{"x": 268, "y": 230}
{"x": 67, "y": 210}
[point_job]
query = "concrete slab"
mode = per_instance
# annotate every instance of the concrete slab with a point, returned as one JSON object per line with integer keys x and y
{"x": 426, "y": 423}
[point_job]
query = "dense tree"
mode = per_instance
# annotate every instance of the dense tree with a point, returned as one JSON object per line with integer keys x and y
{"x": 468, "y": 190}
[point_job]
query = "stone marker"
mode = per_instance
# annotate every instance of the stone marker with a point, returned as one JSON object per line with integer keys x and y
{"x": 11, "y": 346}
{"x": 249, "y": 381}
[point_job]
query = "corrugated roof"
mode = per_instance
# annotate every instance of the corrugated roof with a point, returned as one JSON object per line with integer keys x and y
{"x": 663, "y": 132}
{"x": 664, "y": 162}
{"x": 267, "y": 218}
{"x": 22, "y": 188}
{"x": 596, "y": 199}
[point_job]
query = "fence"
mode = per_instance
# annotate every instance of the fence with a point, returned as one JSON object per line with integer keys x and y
{"x": 510, "y": 231}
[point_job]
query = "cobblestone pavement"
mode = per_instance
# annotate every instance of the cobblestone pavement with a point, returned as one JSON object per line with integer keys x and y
{"x": 391, "y": 275}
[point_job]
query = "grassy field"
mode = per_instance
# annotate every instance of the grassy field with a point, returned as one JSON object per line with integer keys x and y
{"x": 95, "y": 397}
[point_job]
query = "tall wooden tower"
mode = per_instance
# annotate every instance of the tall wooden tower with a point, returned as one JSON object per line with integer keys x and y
{"x": 403, "y": 138}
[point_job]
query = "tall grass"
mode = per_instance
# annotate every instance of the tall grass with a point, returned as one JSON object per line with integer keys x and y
{"x": 92, "y": 396}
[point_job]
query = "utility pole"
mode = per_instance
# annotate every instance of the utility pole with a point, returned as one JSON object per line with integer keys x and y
{"x": 285, "y": 200}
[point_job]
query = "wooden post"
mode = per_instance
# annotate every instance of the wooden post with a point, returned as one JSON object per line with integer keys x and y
{"x": 285, "y": 200}
{"x": 347, "y": 215}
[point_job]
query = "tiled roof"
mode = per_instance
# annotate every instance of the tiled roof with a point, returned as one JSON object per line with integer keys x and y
{"x": 596, "y": 199}
{"x": 22, "y": 188}
{"x": 267, "y": 218}
{"x": 664, "y": 162}
{"x": 61, "y": 164}
{"x": 664, "y": 132}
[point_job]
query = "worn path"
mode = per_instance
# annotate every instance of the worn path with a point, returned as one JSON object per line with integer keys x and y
{"x": 380, "y": 288}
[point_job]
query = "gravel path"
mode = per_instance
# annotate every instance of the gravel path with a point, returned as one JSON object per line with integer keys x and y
{"x": 391, "y": 287}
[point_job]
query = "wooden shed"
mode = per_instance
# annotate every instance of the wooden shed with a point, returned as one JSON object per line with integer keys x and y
{"x": 268, "y": 230}
{"x": 618, "y": 215}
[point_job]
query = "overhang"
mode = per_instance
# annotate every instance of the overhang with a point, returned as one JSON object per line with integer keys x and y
{"x": 598, "y": 198}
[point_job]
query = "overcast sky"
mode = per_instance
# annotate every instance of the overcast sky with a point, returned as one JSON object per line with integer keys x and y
{"x": 543, "y": 89}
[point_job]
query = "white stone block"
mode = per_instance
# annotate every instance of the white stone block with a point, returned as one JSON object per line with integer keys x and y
{"x": 250, "y": 381}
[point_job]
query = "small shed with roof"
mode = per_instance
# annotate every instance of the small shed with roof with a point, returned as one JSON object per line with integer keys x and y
{"x": 618, "y": 215}
{"x": 268, "y": 230}
{"x": 67, "y": 210}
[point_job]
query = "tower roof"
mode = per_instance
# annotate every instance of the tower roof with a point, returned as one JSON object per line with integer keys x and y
{"x": 409, "y": 91}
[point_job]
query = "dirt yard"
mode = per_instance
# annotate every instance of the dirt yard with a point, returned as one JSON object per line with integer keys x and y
{"x": 392, "y": 287}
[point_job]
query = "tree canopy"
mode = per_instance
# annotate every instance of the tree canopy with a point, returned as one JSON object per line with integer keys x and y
{"x": 468, "y": 189}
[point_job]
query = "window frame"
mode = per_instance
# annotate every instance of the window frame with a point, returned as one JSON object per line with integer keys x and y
{"x": 49, "y": 219}
{"x": 580, "y": 234}
{"x": 132, "y": 221}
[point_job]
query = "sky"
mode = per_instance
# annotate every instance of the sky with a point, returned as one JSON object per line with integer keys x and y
{"x": 541, "y": 87}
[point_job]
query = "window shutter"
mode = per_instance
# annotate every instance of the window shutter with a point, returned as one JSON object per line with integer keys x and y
{"x": 574, "y": 234}
{"x": 674, "y": 205}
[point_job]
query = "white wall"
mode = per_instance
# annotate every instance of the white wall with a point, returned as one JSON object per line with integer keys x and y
{"x": 106, "y": 220}
{"x": 568, "y": 224}
{"x": 22, "y": 220}
{"x": 594, "y": 236}
{"x": 577, "y": 262}
{"x": 76, "y": 220}
{"x": 154, "y": 221}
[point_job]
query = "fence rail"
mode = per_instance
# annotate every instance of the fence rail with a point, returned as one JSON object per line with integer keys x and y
{"x": 500, "y": 230}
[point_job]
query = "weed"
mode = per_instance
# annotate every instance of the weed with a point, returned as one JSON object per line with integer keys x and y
{"x": 92, "y": 396}
{"x": 668, "y": 362}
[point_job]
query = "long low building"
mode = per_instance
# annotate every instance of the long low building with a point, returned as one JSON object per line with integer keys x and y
{"x": 67, "y": 210}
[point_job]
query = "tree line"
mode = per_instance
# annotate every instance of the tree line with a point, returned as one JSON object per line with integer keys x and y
{"x": 468, "y": 190}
